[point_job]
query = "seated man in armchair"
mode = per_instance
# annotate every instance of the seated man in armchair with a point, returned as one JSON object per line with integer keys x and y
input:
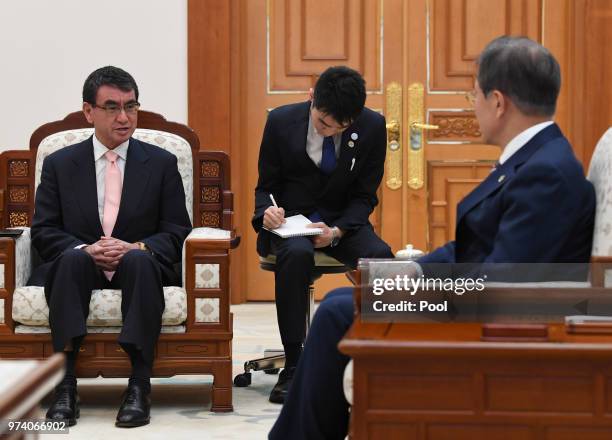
{"x": 535, "y": 207}
{"x": 109, "y": 213}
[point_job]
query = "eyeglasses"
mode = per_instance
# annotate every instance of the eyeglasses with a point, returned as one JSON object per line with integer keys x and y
{"x": 471, "y": 96}
{"x": 112, "y": 109}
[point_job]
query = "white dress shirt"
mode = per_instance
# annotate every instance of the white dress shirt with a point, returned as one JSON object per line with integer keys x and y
{"x": 521, "y": 139}
{"x": 314, "y": 143}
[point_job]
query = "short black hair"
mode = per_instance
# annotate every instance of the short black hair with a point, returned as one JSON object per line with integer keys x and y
{"x": 108, "y": 76}
{"x": 340, "y": 92}
{"x": 523, "y": 70}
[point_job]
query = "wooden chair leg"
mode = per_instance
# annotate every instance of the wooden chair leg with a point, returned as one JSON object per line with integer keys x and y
{"x": 222, "y": 387}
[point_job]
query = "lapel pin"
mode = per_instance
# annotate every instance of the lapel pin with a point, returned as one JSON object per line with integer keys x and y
{"x": 501, "y": 178}
{"x": 351, "y": 143}
{"x": 354, "y": 136}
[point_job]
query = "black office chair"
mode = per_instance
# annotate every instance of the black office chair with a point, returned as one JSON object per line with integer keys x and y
{"x": 274, "y": 359}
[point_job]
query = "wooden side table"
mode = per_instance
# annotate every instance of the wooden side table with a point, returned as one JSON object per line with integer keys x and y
{"x": 23, "y": 384}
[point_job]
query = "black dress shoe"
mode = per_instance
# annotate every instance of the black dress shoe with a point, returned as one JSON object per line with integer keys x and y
{"x": 280, "y": 390}
{"x": 65, "y": 406}
{"x": 135, "y": 409}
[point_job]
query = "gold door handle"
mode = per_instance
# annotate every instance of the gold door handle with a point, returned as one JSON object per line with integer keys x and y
{"x": 418, "y": 125}
{"x": 393, "y": 131}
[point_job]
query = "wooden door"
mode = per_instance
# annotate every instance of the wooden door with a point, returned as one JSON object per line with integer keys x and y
{"x": 289, "y": 43}
{"x": 270, "y": 52}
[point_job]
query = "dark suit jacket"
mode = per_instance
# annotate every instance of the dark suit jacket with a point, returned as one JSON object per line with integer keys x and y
{"x": 345, "y": 198}
{"x": 535, "y": 208}
{"x": 152, "y": 208}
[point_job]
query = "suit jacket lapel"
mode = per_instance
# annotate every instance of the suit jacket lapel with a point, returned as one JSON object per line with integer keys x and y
{"x": 298, "y": 137}
{"x": 134, "y": 185}
{"x": 346, "y": 156}
{"x": 505, "y": 172}
{"x": 85, "y": 186}
{"x": 495, "y": 180}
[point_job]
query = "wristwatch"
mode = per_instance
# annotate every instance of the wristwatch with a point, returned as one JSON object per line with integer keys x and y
{"x": 335, "y": 237}
{"x": 144, "y": 247}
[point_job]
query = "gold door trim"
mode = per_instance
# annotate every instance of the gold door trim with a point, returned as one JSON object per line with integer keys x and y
{"x": 393, "y": 163}
{"x": 416, "y": 149}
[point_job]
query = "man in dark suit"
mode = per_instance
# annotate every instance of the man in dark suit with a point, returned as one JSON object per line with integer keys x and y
{"x": 110, "y": 213}
{"x": 323, "y": 158}
{"x": 535, "y": 207}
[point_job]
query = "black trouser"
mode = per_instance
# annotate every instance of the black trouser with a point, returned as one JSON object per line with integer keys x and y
{"x": 73, "y": 275}
{"x": 294, "y": 264}
{"x": 315, "y": 407}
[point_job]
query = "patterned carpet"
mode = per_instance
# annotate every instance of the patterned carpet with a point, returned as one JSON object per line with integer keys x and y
{"x": 181, "y": 404}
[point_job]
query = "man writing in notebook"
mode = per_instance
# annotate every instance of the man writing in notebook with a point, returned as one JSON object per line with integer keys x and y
{"x": 323, "y": 158}
{"x": 535, "y": 207}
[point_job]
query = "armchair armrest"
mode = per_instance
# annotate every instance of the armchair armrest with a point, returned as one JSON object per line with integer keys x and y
{"x": 15, "y": 268}
{"x": 601, "y": 271}
{"x": 206, "y": 278}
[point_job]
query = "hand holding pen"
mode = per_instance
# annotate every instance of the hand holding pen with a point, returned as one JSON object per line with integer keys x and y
{"x": 273, "y": 215}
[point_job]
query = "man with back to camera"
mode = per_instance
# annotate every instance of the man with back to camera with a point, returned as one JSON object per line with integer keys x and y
{"x": 323, "y": 158}
{"x": 537, "y": 186}
{"x": 109, "y": 213}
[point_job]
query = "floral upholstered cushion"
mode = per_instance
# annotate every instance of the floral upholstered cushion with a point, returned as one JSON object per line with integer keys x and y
{"x": 41, "y": 329}
{"x": 23, "y": 257}
{"x": 600, "y": 174}
{"x": 168, "y": 141}
{"x": 30, "y": 307}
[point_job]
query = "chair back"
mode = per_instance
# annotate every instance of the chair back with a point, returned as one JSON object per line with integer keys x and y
{"x": 600, "y": 174}
{"x": 171, "y": 142}
{"x": 206, "y": 174}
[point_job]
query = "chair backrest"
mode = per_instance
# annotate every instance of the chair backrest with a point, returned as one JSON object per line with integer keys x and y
{"x": 600, "y": 174}
{"x": 206, "y": 174}
{"x": 166, "y": 140}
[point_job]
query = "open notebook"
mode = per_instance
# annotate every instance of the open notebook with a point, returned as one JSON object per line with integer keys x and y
{"x": 295, "y": 227}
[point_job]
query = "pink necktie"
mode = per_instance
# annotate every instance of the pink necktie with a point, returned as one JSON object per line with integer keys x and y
{"x": 112, "y": 197}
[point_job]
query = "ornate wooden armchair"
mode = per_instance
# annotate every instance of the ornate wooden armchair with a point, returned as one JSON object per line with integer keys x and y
{"x": 197, "y": 324}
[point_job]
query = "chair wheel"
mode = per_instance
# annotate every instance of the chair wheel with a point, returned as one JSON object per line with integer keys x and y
{"x": 242, "y": 380}
{"x": 272, "y": 371}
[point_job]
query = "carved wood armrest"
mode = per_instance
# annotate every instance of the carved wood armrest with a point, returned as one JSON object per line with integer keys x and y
{"x": 7, "y": 283}
{"x": 206, "y": 279}
{"x": 599, "y": 267}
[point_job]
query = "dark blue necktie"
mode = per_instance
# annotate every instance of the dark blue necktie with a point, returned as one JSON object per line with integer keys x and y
{"x": 328, "y": 159}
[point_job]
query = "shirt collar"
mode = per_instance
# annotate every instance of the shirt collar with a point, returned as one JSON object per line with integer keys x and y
{"x": 521, "y": 139}
{"x": 100, "y": 150}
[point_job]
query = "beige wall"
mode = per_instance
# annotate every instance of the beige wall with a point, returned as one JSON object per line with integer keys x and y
{"x": 47, "y": 49}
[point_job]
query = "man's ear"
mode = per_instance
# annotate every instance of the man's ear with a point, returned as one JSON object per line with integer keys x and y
{"x": 87, "y": 109}
{"x": 311, "y": 94}
{"x": 501, "y": 103}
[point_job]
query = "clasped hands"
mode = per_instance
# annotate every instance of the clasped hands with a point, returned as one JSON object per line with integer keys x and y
{"x": 108, "y": 251}
{"x": 274, "y": 217}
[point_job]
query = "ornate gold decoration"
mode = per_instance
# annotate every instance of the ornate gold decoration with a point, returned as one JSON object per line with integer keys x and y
{"x": 416, "y": 150}
{"x": 18, "y": 194}
{"x": 394, "y": 136}
{"x": 19, "y": 168}
{"x": 210, "y": 194}
{"x": 18, "y": 218}
{"x": 211, "y": 168}
{"x": 453, "y": 127}
{"x": 211, "y": 219}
